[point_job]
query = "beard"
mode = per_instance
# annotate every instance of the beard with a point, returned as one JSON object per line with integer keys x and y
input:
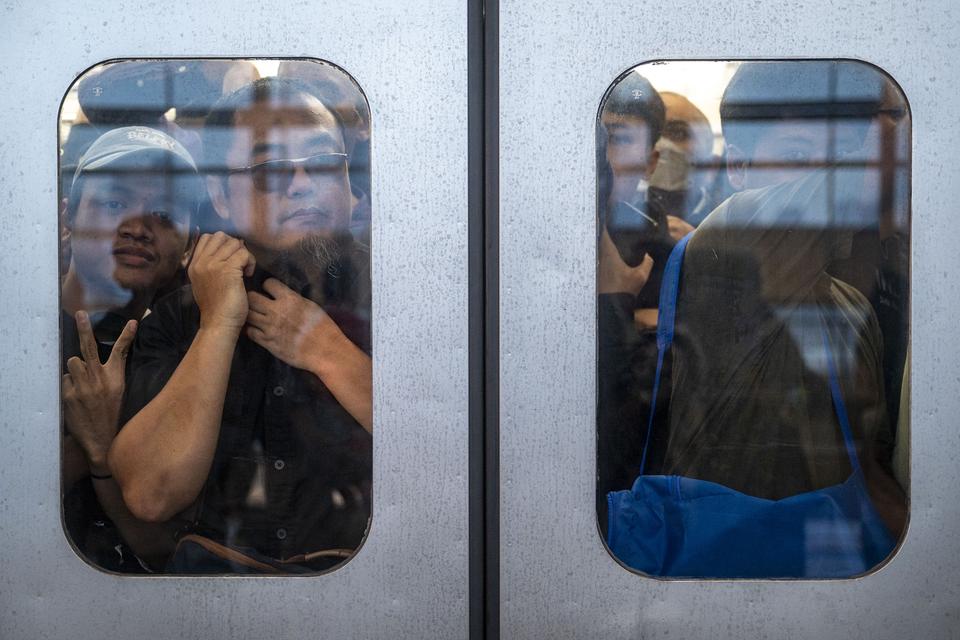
{"x": 307, "y": 261}
{"x": 315, "y": 253}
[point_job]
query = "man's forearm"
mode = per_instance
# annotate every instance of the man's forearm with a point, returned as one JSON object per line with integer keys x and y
{"x": 348, "y": 373}
{"x": 162, "y": 456}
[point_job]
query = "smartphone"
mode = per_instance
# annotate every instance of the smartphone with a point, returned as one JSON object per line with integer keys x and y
{"x": 632, "y": 231}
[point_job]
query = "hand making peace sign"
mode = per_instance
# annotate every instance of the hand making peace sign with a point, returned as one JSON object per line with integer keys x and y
{"x": 92, "y": 392}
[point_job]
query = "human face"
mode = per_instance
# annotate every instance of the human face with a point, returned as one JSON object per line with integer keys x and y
{"x": 130, "y": 232}
{"x": 630, "y": 153}
{"x": 788, "y": 150}
{"x": 313, "y": 203}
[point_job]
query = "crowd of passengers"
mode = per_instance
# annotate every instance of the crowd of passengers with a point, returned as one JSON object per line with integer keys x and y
{"x": 216, "y": 318}
{"x": 798, "y": 256}
{"x": 216, "y": 303}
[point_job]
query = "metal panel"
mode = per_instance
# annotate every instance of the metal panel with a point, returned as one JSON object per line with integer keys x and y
{"x": 409, "y": 580}
{"x": 557, "y": 579}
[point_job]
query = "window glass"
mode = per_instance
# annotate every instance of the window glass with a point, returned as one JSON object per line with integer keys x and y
{"x": 215, "y": 316}
{"x": 753, "y": 308}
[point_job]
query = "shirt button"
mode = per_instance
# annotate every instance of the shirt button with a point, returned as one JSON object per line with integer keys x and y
{"x": 278, "y": 391}
{"x": 281, "y": 533}
{"x": 279, "y": 465}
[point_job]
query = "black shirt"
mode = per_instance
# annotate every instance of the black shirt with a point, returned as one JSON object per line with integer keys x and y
{"x": 292, "y": 469}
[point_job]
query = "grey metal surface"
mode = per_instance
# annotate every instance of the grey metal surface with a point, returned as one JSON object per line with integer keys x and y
{"x": 557, "y": 579}
{"x": 410, "y": 578}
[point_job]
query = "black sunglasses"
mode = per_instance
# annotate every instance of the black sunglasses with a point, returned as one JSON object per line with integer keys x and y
{"x": 274, "y": 176}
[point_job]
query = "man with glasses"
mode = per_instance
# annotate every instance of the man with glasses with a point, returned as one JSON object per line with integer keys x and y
{"x": 250, "y": 406}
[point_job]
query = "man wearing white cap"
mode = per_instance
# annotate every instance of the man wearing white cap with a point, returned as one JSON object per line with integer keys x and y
{"x": 127, "y": 231}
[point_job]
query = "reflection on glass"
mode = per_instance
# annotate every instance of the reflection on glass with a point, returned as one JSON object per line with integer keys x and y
{"x": 216, "y": 317}
{"x": 747, "y": 422}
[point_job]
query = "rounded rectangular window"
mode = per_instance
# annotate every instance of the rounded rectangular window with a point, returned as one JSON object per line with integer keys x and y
{"x": 215, "y": 316}
{"x": 753, "y": 318}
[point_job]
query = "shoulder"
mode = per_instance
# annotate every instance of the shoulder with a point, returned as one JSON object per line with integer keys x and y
{"x": 171, "y": 320}
{"x": 857, "y": 312}
{"x": 176, "y": 304}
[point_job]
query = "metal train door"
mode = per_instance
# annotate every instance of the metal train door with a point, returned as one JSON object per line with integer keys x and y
{"x": 410, "y": 578}
{"x": 556, "y": 577}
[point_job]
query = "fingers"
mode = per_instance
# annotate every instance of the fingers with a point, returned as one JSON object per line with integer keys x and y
{"x": 250, "y": 265}
{"x": 264, "y": 305}
{"x": 78, "y": 372}
{"x": 71, "y": 401}
{"x": 608, "y": 250}
{"x": 678, "y": 227}
{"x": 219, "y": 254}
{"x": 256, "y": 334}
{"x": 227, "y": 247}
{"x": 258, "y": 303}
{"x": 642, "y": 270}
{"x": 69, "y": 390}
{"x": 232, "y": 252}
{"x": 276, "y": 288}
{"x": 88, "y": 344}
{"x": 220, "y": 247}
{"x": 121, "y": 348}
{"x": 242, "y": 259}
{"x": 209, "y": 243}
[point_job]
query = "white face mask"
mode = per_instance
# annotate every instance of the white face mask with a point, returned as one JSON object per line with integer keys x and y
{"x": 673, "y": 167}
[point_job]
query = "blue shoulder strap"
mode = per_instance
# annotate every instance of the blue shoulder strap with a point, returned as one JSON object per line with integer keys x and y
{"x": 666, "y": 321}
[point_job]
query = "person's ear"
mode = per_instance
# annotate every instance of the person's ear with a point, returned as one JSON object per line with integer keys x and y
{"x": 737, "y": 165}
{"x": 652, "y": 161}
{"x": 218, "y": 196}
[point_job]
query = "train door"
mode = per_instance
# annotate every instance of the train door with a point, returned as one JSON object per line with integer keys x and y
{"x": 419, "y": 571}
{"x": 409, "y": 577}
{"x": 559, "y": 71}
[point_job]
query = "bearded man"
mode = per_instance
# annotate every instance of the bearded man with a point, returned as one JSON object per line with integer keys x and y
{"x": 250, "y": 412}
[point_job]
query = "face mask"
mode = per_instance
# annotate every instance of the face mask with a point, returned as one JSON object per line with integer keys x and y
{"x": 673, "y": 167}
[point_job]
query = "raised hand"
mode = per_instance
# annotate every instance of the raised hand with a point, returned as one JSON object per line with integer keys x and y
{"x": 678, "y": 227}
{"x": 292, "y": 328}
{"x": 300, "y": 333}
{"x": 216, "y": 274}
{"x": 615, "y": 275}
{"x": 92, "y": 392}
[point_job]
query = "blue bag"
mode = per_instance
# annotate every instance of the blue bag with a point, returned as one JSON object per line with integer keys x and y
{"x": 683, "y": 527}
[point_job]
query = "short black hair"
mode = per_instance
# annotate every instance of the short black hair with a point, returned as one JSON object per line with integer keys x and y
{"x": 633, "y": 96}
{"x": 222, "y": 114}
{"x": 770, "y": 92}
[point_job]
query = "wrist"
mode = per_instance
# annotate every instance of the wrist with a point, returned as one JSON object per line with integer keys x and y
{"x": 325, "y": 346}
{"x": 218, "y": 331}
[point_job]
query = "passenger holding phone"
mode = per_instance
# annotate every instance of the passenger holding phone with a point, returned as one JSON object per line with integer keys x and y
{"x": 631, "y": 121}
{"x": 631, "y": 249}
